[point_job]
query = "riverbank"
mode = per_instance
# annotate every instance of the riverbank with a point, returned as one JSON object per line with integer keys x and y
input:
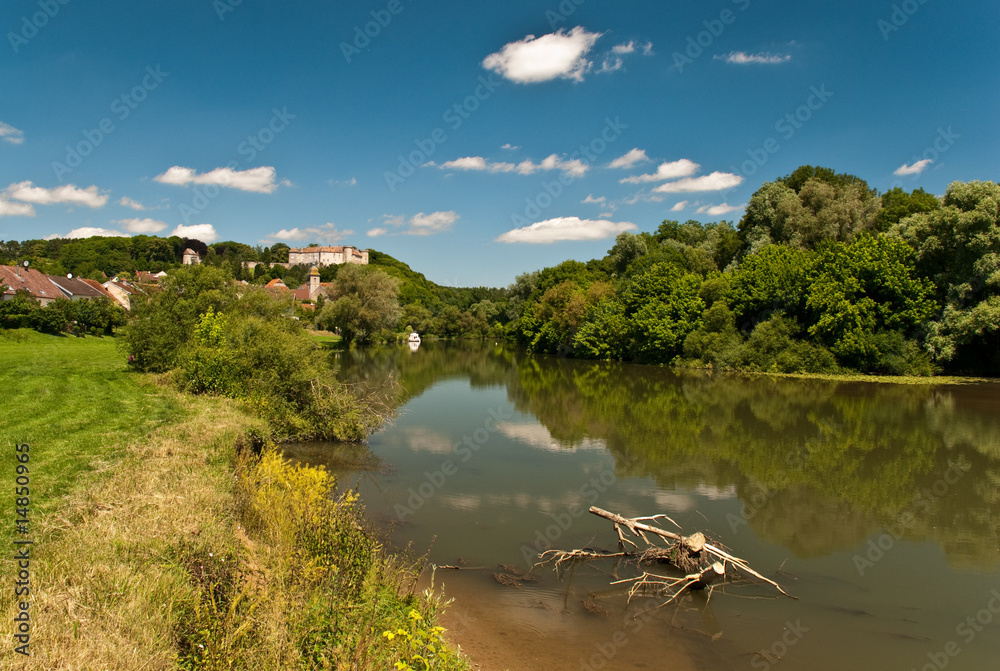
{"x": 160, "y": 541}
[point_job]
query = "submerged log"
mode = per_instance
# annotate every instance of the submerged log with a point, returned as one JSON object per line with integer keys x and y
{"x": 640, "y": 528}
{"x": 713, "y": 573}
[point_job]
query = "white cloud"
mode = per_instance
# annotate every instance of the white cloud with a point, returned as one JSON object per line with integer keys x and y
{"x": 67, "y": 194}
{"x": 89, "y": 232}
{"x": 679, "y": 206}
{"x": 574, "y": 167}
{"x": 509, "y": 147}
{"x": 141, "y": 226}
{"x": 327, "y": 234}
{"x": 9, "y": 209}
{"x": 629, "y": 159}
{"x": 435, "y": 222}
{"x": 914, "y": 169}
{"x": 647, "y": 49}
{"x": 717, "y": 210}
{"x": 612, "y": 64}
{"x": 257, "y": 180}
{"x": 204, "y": 232}
{"x": 10, "y": 134}
{"x": 377, "y": 231}
{"x": 762, "y": 58}
{"x": 623, "y": 48}
{"x": 393, "y": 219}
{"x": 590, "y": 199}
{"x": 670, "y": 170}
{"x": 717, "y": 181}
{"x": 566, "y": 228}
{"x": 353, "y": 181}
{"x": 134, "y": 204}
{"x": 539, "y": 59}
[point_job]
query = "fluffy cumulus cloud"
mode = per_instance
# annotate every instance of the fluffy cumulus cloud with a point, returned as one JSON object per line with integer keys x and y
{"x": 718, "y": 210}
{"x": 558, "y": 55}
{"x": 204, "y": 232}
{"x": 67, "y": 194}
{"x": 328, "y": 234}
{"x": 629, "y": 159}
{"x": 572, "y": 167}
{"x": 10, "y": 134}
{"x": 418, "y": 224}
{"x": 914, "y": 169}
{"x": 566, "y": 228}
{"x": 257, "y": 180}
{"x": 665, "y": 171}
{"x": 141, "y": 226}
{"x": 134, "y": 204}
{"x": 9, "y": 209}
{"x": 89, "y": 232}
{"x": 717, "y": 181}
{"x": 761, "y": 58}
{"x": 435, "y": 222}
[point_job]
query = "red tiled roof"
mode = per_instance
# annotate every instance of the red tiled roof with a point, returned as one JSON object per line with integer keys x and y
{"x": 97, "y": 285}
{"x": 37, "y": 283}
{"x": 276, "y": 283}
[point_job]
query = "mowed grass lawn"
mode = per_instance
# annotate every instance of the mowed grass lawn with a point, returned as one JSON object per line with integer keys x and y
{"x": 75, "y": 403}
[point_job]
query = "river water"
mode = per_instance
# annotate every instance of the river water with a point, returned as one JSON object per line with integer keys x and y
{"x": 877, "y": 505}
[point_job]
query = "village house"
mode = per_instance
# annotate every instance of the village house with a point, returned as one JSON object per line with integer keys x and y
{"x": 121, "y": 291}
{"x": 37, "y": 284}
{"x": 190, "y": 257}
{"x": 74, "y": 289}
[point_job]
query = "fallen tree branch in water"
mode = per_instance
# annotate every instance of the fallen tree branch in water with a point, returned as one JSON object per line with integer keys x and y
{"x": 703, "y": 563}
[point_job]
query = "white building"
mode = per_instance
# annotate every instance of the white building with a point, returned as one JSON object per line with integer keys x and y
{"x": 326, "y": 256}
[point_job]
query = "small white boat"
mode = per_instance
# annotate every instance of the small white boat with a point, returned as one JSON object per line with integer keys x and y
{"x": 414, "y": 337}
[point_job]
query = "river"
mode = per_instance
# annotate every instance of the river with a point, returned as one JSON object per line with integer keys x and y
{"x": 876, "y": 505}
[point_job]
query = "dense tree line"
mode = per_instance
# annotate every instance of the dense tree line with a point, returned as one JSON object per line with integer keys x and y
{"x": 426, "y": 307}
{"x": 822, "y": 274}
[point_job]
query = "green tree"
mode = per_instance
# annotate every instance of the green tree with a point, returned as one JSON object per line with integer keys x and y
{"x": 958, "y": 247}
{"x": 364, "y": 302}
{"x": 897, "y": 205}
{"x": 863, "y": 289}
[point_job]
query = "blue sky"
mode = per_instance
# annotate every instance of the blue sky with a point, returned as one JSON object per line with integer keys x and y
{"x": 472, "y": 140}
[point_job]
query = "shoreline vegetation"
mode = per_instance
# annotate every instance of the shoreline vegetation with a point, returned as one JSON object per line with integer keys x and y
{"x": 169, "y": 534}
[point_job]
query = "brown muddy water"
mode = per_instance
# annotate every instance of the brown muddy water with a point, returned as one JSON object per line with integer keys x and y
{"x": 877, "y": 505}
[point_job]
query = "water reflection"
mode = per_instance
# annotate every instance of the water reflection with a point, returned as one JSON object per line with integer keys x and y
{"x": 817, "y": 466}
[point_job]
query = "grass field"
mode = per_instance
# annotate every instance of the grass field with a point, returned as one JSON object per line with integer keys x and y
{"x": 160, "y": 545}
{"x": 75, "y": 404}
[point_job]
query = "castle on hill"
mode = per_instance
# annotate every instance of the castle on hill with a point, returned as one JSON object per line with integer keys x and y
{"x": 326, "y": 256}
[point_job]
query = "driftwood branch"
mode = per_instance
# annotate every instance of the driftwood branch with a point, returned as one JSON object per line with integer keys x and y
{"x": 702, "y": 563}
